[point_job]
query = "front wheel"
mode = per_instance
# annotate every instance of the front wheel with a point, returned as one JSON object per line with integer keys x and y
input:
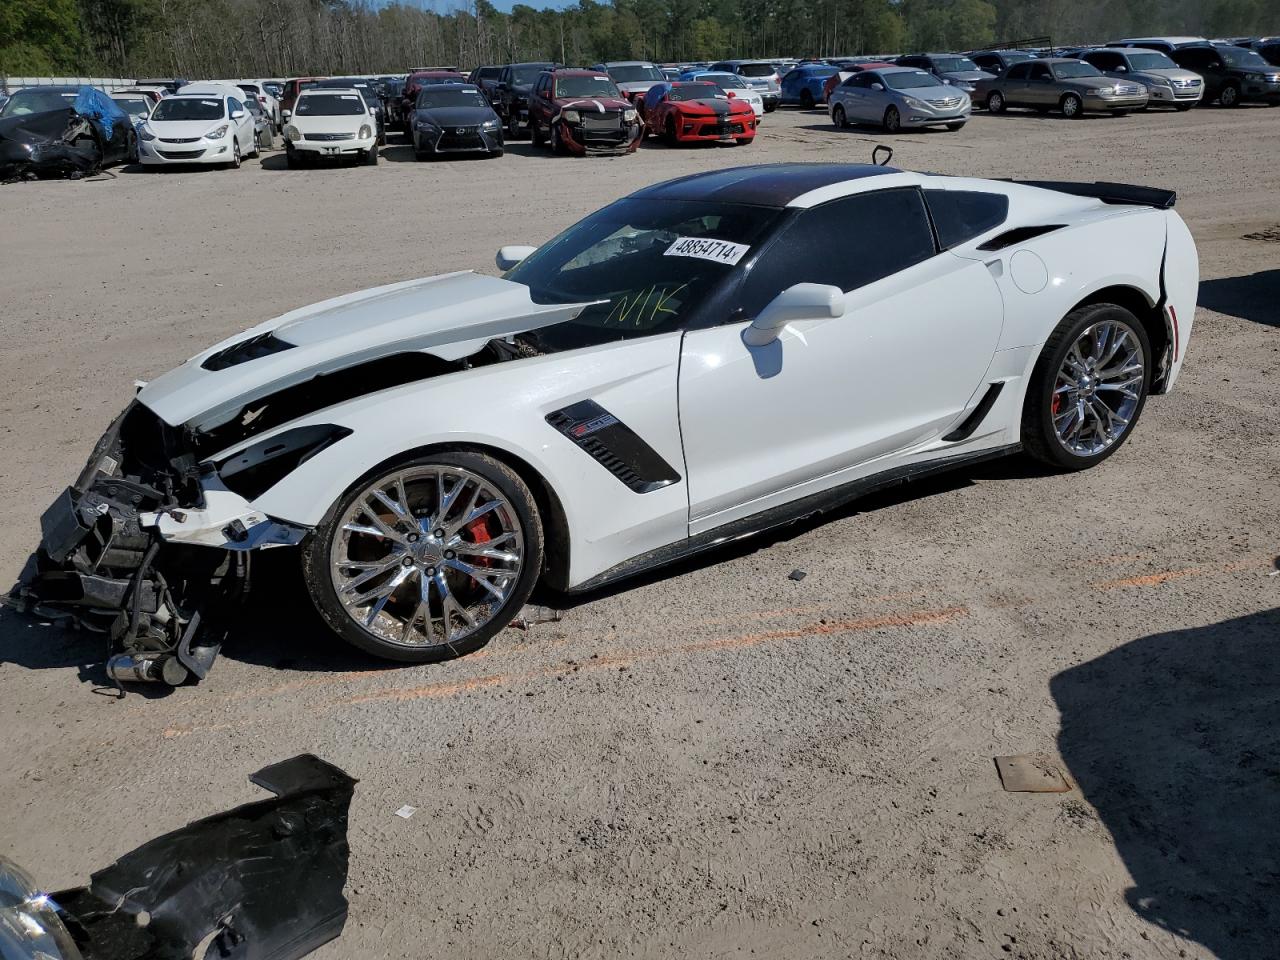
{"x": 535, "y": 133}
{"x": 1072, "y": 106}
{"x": 995, "y": 102}
{"x": 1230, "y": 96}
{"x": 235, "y": 155}
{"x": 955, "y": 127}
{"x": 371, "y": 156}
{"x": 839, "y": 118}
{"x": 428, "y": 559}
{"x": 892, "y": 122}
{"x": 1088, "y": 388}
{"x": 1183, "y": 107}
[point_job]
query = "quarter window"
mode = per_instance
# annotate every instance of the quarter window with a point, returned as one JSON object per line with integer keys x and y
{"x": 847, "y": 243}
{"x": 961, "y": 215}
{"x": 1019, "y": 71}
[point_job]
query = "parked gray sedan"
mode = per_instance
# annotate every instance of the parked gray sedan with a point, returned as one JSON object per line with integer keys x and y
{"x": 896, "y": 98}
{"x": 1071, "y": 86}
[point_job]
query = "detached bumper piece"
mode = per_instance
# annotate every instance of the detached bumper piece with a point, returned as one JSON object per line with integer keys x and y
{"x": 100, "y": 569}
{"x": 601, "y": 133}
{"x": 260, "y": 882}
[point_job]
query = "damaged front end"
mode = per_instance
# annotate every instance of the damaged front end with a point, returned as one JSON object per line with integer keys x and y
{"x": 109, "y": 562}
{"x": 55, "y": 143}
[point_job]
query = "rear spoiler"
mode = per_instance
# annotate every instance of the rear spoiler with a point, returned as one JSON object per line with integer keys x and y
{"x": 1123, "y": 193}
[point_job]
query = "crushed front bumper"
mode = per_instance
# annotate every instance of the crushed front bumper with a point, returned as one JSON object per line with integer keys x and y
{"x": 593, "y": 136}
{"x": 149, "y": 549}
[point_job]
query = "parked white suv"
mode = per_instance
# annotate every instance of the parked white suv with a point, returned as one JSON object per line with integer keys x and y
{"x": 330, "y": 122}
{"x": 204, "y": 125}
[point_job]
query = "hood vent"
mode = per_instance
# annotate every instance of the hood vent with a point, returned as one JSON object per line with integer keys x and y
{"x": 262, "y": 345}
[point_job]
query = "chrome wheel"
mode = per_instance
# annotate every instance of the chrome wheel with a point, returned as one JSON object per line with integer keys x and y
{"x": 1098, "y": 388}
{"x": 427, "y": 555}
{"x": 1071, "y": 105}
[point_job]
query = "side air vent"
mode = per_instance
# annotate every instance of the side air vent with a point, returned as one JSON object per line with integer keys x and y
{"x": 613, "y": 445}
{"x": 263, "y": 345}
{"x": 1010, "y": 238}
{"x": 974, "y": 419}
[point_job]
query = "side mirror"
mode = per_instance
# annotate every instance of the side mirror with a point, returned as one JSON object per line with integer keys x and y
{"x": 237, "y": 114}
{"x": 508, "y": 257}
{"x": 373, "y": 111}
{"x": 803, "y": 301}
{"x": 877, "y": 86}
{"x": 1122, "y": 69}
{"x": 946, "y": 81}
{"x": 286, "y": 114}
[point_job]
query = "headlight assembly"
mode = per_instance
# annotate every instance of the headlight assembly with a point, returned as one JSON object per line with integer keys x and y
{"x": 292, "y": 133}
{"x": 145, "y": 133}
{"x": 915, "y": 104}
{"x": 630, "y": 116}
{"x": 29, "y": 922}
{"x": 571, "y": 116}
{"x": 217, "y": 133}
{"x": 365, "y": 132}
{"x": 493, "y": 124}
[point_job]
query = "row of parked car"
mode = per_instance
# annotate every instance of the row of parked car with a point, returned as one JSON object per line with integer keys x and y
{"x": 932, "y": 89}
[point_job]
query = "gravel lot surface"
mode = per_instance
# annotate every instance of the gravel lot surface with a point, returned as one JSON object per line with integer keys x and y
{"x": 716, "y": 761}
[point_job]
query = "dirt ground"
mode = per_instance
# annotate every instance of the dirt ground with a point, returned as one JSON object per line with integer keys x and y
{"x": 715, "y": 761}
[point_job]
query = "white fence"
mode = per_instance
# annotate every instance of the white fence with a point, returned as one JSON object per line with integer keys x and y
{"x": 9, "y": 84}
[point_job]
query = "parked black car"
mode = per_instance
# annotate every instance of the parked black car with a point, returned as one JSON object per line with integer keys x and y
{"x": 370, "y": 90}
{"x": 996, "y": 62}
{"x": 63, "y": 131}
{"x": 454, "y": 118}
{"x": 486, "y": 79}
{"x": 515, "y": 83}
{"x": 1232, "y": 75}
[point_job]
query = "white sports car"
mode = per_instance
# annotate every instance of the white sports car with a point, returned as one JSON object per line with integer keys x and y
{"x": 701, "y": 360}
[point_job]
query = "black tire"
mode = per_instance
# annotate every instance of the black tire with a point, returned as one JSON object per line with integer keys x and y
{"x": 892, "y": 121}
{"x": 1119, "y": 113}
{"x": 370, "y": 157}
{"x": 806, "y": 100}
{"x": 1183, "y": 107}
{"x": 995, "y": 102}
{"x": 839, "y": 117}
{"x": 1039, "y": 438}
{"x": 291, "y": 158}
{"x": 769, "y": 109}
{"x": 535, "y": 133}
{"x": 1071, "y": 106}
{"x": 513, "y": 127}
{"x": 745, "y": 141}
{"x": 557, "y": 145}
{"x": 1230, "y": 96}
{"x": 956, "y": 127}
{"x": 669, "y": 133}
{"x": 316, "y": 568}
{"x": 494, "y": 154}
{"x": 235, "y": 155}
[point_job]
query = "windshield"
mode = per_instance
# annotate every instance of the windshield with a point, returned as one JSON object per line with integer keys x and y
{"x": 1240, "y": 57}
{"x": 1077, "y": 68}
{"x": 434, "y": 98}
{"x": 189, "y": 108}
{"x": 756, "y": 69}
{"x": 643, "y": 259}
{"x": 523, "y": 76}
{"x": 1012, "y": 58}
{"x": 635, "y": 74}
{"x": 354, "y": 83}
{"x": 953, "y": 64}
{"x": 681, "y": 92}
{"x": 37, "y": 101}
{"x": 329, "y": 105}
{"x": 910, "y": 81}
{"x": 585, "y": 87}
{"x": 249, "y": 88}
{"x": 1151, "y": 61}
{"x": 135, "y": 107}
{"x": 819, "y": 71}
{"x": 725, "y": 81}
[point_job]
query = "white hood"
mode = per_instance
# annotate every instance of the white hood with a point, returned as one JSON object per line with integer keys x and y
{"x": 184, "y": 129}
{"x": 350, "y": 123}
{"x": 451, "y": 316}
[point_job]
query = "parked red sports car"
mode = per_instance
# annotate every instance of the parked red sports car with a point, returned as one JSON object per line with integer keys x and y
{"x": 582, "y": 111}
{"x": 694, "y": 110}
{"x": 843, "y": 74}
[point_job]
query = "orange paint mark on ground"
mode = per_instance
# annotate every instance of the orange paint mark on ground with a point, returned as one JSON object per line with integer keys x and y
{"x": 1164, "y": 576}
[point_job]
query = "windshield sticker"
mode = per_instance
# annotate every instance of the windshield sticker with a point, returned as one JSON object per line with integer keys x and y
{"x": 349, "y": 96}
{"x": 721, "y": 251}
{"x": 210, "y": 103}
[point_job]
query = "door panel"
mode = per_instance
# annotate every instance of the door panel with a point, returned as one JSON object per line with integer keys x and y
{"x": 894, "y": 371}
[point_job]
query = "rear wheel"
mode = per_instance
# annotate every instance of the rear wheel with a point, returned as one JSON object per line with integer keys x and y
{"x": 1072, "y": 106}
{"x": 1088, "y": 388}
{"x": 892, "y": 122}
{"x": 995, "y": 102}
{"x": 428, "y": 559}
{"x": 806, "y": 99}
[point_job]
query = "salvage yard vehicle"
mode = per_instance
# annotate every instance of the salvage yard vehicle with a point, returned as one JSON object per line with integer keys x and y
{"x": 734, "y": 87}
{"x": 454, "y": 118}
{"x": 848, "y": 70}
{"x": 697, "y": 111}
{"x": 805, "y": 85}
{"x": 709, "y": 357}
{"x": 760, "y": 75}
{"x": 264, "y": 129}
{"x": 63, "y": 131}
{"x": 957, "y": 70}
{"x": 1232, "y": 75}
{"x": 204, "y": 124}
{"x": 136, "y": 105}
{"x": 1072, "y": 87}
{"x": 582, "y": 112}
{"x": 292, "y": 88}
{"x": 899, "y": 97}
{"x": 330, "y": 123}
{"x": 1167, "y": 84}
{"x": 996, "y": 62}
{"x": 633, "y": 77}
{"x": 515, "y": 85}
{"x": 368, "y": 89}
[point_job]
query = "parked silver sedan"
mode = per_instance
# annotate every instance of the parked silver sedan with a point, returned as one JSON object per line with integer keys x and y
{"x": 1071, "y": 86}
{"x": 898, "y": 97}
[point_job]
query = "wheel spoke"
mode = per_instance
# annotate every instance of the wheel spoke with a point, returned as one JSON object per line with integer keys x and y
{"x": 370, "y": 572}
{"x": 400, "y": 511}
{"x": 390, "y": 587}
{"x": 386, "y": 529}
{"x": 479, "y": 573}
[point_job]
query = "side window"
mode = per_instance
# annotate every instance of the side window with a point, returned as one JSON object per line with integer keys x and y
{"x": 1040, "y": 71}
{"x": 1019, "y": 71}
{"x": 989, "y": 63}
{"x": 960, "y": 215}
{"x": 848, "y": 243}
{"x": 233, "y": 105}
{"x": 858, "y": 80}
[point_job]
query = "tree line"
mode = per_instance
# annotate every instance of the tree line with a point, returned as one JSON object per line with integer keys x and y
{"x": 280, "y": 38}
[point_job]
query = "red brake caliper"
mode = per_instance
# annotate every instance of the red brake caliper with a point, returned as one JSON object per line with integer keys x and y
{"x": 479, "y": 530}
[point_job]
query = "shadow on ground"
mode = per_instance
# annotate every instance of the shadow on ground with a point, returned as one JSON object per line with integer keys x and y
{"x": 1175, "y": 740}
{"x": 1255, "y": 297}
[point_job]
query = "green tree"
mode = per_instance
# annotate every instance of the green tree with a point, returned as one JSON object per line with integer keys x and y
{"x": 40, "y": 37}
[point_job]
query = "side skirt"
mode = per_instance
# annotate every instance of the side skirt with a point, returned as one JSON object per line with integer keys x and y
{"x": 787, "y": 513}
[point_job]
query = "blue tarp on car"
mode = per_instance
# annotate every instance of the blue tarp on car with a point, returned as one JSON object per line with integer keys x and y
{"x": 93, "y": 104}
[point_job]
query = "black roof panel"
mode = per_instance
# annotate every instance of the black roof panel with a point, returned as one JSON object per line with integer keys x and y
{"x": 770, "y": 184}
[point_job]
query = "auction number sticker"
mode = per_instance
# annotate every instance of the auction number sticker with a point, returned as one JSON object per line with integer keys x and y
{"x": 721, "y": 251}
